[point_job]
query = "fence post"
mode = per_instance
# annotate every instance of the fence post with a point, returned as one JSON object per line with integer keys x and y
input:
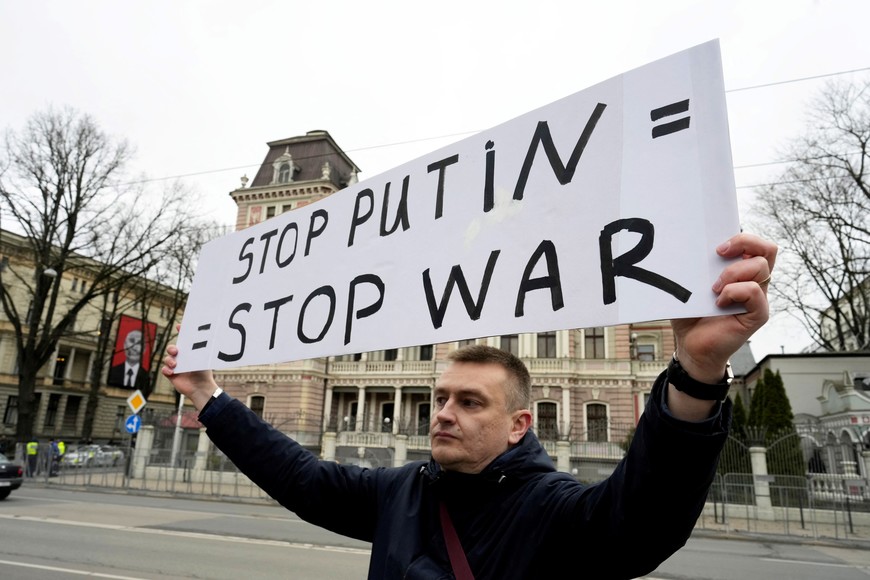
{"x": 203, "y": 445}
{"x": 563, "y": 456}
{"x": 401, "y": 454}
{"x": 142, "y": 451}
{"x": 865, "y": 458}
{"x": 758, "y": 459}
{"x": 329, "y": 446}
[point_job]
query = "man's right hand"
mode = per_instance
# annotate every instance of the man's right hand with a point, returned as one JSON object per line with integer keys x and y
{"x": 198, "y": 386}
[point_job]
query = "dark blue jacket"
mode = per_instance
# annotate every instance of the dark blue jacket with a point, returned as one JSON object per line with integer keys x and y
{"x": 519, "y": 518}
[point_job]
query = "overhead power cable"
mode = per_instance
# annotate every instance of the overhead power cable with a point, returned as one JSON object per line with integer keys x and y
{"x": 463, "y": 133}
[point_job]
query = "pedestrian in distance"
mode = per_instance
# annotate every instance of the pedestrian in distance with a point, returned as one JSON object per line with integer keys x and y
{"x": 32, "y": 451}
{"x": 489, "y": 503}
{"x": 53, "y": 457}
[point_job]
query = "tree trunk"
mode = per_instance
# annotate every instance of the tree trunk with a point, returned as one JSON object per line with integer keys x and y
{"x": 90, "y": 416}
{"x": 26, "y": 404}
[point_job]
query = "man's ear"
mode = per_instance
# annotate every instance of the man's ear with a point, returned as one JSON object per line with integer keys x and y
{"x": 522, "y": 420}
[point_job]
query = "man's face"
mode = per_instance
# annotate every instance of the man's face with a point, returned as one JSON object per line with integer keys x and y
{"x": 470, "y": 424}
{"x": 133, "y": 346}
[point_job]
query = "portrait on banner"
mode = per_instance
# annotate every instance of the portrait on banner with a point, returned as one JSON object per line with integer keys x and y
{"x": 131, "y": 358}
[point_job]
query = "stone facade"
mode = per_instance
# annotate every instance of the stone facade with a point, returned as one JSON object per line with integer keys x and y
{"x": 589, "y": 386}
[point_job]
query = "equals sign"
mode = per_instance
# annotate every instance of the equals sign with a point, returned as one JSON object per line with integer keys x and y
{"x": 203, "y": 343}
{"x": 669, "y": 111}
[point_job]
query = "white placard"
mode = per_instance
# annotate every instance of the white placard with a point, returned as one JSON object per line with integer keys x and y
{"x": 602, "y": 208}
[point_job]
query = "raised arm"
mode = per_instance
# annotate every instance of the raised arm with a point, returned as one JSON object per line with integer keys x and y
{"x": 704, "y": 345}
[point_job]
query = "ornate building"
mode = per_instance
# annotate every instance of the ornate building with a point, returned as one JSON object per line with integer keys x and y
{"x": 66, "y": 382}
{"x": 589, "y": 385}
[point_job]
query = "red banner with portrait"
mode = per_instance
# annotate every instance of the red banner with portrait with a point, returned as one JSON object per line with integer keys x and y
{"x": 131, "y": 359}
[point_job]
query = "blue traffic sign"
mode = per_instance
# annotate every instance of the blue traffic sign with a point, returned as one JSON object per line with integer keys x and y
{"x": 133, "y": 423}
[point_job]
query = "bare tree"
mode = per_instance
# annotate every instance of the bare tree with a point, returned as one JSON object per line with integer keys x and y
{"x": 819, "y": 213}
{"x": 61, "y": 188}
{"x": 164, "y": 286}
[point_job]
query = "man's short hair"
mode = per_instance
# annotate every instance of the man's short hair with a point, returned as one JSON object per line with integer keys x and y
{"x": 519, "y": 389}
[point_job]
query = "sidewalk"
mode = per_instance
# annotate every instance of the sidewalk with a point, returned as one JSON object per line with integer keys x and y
{"x": 816, "y": 527}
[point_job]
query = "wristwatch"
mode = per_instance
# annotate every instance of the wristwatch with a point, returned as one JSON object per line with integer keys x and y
{"x": 678, "y": 377}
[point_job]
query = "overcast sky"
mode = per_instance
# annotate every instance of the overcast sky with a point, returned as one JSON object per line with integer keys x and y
{"x": 200, "y": 87}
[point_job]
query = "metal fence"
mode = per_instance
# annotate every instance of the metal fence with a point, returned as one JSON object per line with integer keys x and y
{"x": 790, "y": 496}
{"x": 193, "y": 475}
{"x": 784, "y": 490}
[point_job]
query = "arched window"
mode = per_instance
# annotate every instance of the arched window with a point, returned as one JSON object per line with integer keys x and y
{"x": 596, "y": 422}
{"x": 547, "y": 421}
{"x": 284, "y": 173}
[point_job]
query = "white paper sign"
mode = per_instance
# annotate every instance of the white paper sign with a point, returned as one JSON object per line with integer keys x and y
{"x": 602, "y": 208}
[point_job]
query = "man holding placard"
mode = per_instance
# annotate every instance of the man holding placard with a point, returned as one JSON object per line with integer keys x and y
{"x": 490, "y": 504}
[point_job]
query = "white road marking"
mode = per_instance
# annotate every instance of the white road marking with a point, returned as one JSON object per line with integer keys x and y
{"x": 808, "y": 563}
{"x": 68, "y": 570}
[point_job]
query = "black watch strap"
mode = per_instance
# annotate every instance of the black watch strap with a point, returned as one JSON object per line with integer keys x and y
{"x": 678, "y": 377}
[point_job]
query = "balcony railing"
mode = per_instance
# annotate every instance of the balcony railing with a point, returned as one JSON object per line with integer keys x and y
{"x": 595, "y": 366}
{"x": 415, "y": 367}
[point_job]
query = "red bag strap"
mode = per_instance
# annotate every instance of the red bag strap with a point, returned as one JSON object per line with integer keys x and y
{"x": 458, "y": 561}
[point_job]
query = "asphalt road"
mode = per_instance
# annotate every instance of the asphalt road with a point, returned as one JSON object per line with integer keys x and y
{"x": 723, "y": 559}
{"x": 50, "y": 534}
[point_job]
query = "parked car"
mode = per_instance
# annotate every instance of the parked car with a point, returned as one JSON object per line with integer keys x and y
{"x": 11, "y": 476}
{"x": 113, "y": 455}
{"x": 93, "y": 456}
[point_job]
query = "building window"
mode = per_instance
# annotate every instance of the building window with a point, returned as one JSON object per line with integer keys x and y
{"x": 391, "y": 354}
{"x": 51, "y": 409}
{"x": 423, "y": 411}
{"x": 387, "y": 417}
{"x": 547, "y": 422}
{"x": 258, "y": 403}
{"x": 350, "y": 418}
{"x": 426, "y": 352}
{"x": 10, "y": 416}
{"x": 286, "y": 208}
{"x": 270, "y": 212}
{"x": 120, "y": 419}
{"x": 71, "y": 414}
{"x": 60, "y": 369}
{"x": 596, "y": 422}
{"x": 284, "y": 173}
{"x": 511, "y": 343}
{"x": 546, "y": 345}
{"x": 594, "y": 342}
{"x": 75, "y": 284}
{"x": 646, "y": 352}
{"x": 467, "y": 342}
